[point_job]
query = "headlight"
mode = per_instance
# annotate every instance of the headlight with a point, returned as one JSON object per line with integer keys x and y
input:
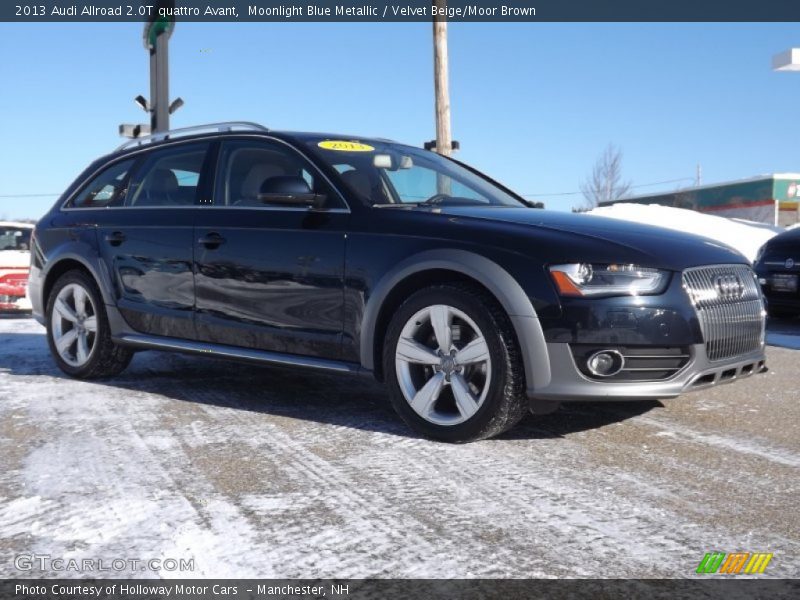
{"x": 585, "y": 279}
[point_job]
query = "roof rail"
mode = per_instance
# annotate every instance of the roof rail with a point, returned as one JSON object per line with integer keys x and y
{"x": 175, "y": 133}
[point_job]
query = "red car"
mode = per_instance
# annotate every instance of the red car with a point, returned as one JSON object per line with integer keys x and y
{"x": 15, "y": 259}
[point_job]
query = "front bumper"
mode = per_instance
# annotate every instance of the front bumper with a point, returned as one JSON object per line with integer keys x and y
{"x": 567, "y": 383}
{"x": 778, "y": 299}
{"x": 787, "y": 302}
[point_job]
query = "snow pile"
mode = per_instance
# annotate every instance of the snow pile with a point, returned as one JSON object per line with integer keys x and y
{"x": 745, "y": 236}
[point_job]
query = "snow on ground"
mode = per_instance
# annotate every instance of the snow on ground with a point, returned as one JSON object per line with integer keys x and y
{"x": 746, "y": 236}
{"x": 257, "y": 472}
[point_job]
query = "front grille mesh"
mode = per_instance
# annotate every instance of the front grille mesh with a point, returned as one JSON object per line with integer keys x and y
{"x": 729, "y": 307}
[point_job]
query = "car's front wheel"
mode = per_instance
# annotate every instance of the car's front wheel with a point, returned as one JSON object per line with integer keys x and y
{"x": 453, "y": 365}
{"x": 78, "y": 332}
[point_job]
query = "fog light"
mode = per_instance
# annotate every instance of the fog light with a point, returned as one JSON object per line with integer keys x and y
{"x": 605, "y": 363}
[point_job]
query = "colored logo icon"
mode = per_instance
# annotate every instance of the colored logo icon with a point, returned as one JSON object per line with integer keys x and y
{"x": 735, "y": 563}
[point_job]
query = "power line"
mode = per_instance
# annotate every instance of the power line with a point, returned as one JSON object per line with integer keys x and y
{"x": 641, "y": 185}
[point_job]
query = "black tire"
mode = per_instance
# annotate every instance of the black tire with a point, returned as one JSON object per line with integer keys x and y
{"x": 106, "y": 358}
{"x": 505, "y": 403}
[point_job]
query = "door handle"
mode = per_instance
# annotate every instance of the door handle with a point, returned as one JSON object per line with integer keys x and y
{"x": 116, "y": 238}
{"x": 211, "y": 240}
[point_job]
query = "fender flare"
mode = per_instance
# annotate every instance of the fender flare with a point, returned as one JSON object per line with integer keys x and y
{"x": 494, "y": 278}
{"x": 85, "y": 255}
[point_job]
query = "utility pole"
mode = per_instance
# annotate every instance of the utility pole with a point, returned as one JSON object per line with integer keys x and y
{"x": 444, "y": 143}
{"x": 444, "y": 138}
{"x": 156, "y": 41}
{"x": 786, "y": 61}
{"x": 698, "y": 180}
{"x": 157, "y": 32}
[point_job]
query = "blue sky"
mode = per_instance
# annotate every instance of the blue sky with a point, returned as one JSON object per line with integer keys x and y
{"x": 533, "y": 104}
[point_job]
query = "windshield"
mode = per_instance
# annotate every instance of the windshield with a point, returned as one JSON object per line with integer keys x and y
{"x": 14, "y": 238}
{"x": 387, "y": 174}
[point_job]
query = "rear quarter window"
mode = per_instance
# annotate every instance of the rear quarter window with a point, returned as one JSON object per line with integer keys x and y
{"x": 106, "y": 189}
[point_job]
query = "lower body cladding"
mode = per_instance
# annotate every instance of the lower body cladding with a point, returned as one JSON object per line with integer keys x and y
{"x": 568, "y": 382}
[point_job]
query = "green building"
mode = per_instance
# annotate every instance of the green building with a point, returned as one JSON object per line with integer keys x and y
{"x": 771, "y": 199}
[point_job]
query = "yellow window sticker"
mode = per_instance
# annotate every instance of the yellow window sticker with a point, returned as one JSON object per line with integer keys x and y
{"x": 343, "y": 146}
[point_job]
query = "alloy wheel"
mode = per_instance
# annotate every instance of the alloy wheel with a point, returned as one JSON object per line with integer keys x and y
{"x": 443, "y": 365}
{"x": 74, "y": 325}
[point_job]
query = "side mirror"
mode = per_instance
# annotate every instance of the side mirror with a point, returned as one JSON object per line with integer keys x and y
{"x": 289, "y": 190}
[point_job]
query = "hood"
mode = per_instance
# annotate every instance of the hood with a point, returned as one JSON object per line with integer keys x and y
{"x": 665, "y": 248}
{"x": 791, "y": 236}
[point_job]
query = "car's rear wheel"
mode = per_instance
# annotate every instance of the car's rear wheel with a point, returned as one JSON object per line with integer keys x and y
{"x": 453, "y": 365}
{"x": 78, "y": 332}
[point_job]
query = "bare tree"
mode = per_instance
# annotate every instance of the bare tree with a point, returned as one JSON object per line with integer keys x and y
{"x": 605, "y": 183}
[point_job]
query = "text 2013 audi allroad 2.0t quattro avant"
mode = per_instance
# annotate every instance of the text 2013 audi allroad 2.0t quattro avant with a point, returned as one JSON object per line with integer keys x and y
{"x": 368, "y": 256}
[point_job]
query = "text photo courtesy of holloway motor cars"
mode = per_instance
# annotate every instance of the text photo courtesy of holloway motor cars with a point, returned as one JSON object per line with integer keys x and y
{"x": 444, "y": 300}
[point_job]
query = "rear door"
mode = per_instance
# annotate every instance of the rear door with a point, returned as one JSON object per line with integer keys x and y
{"x": 270, "y": 277}
{"x": 148, "y": 243}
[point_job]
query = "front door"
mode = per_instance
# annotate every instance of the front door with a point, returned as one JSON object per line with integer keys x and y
{"x": 270, "y": 277}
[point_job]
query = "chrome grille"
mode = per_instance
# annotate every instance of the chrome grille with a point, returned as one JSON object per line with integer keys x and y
{"x": 728, "y": 303}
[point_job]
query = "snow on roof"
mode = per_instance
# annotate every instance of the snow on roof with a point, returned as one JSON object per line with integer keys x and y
{"x": 745, "y": 236}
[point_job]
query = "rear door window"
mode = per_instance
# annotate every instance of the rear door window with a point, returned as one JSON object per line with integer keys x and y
{"x": 168, "y": 178}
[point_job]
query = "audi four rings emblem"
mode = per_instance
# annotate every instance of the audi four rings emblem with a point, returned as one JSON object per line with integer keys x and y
{"x": 789, "y": 263}
{"x": 729, "y": 286}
